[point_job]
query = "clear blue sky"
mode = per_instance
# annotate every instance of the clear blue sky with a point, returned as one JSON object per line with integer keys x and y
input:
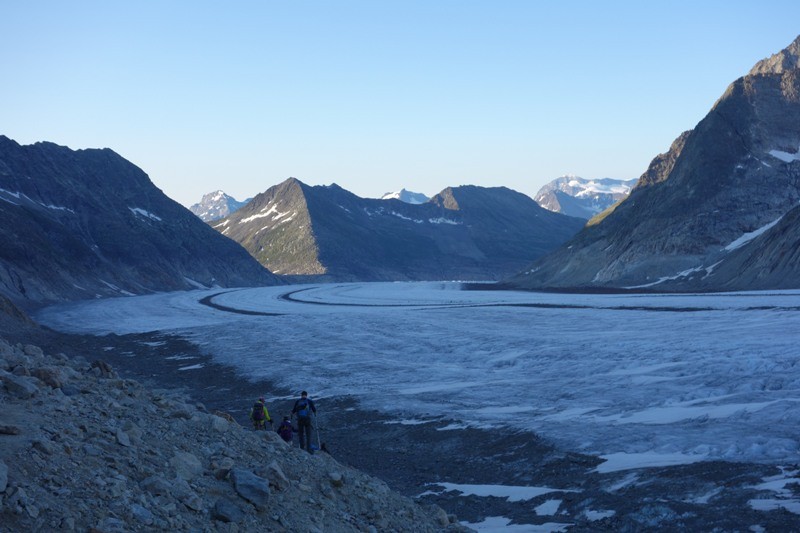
{"x": 375, "y": 95}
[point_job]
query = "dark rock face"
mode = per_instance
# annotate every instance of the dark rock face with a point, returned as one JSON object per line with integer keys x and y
{"x": 462, "y": 233}
{"x": 736, "y": 172}
{"x": 216, "y": 205}
{"x": 580, "y": 197}
{"x": 78, "y": 224}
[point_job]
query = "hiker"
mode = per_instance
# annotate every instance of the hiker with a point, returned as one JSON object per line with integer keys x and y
{"x": 286, "y": 429}
{"x": 303, "y": 408}
{"x": 259, "y": 415}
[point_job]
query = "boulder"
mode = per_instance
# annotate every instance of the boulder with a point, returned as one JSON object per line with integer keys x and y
{"x": 32, "y": 350}
{"x": 252, "y": 488}
{"x": 187, "y": 466}
{"x": 336, "y": 479}
{"x": 276, "y": 476}
{"x": 123, "y": 439}
{"x": 226, "y": 511}
{"x": 21, "y": 387}
{"x": 141, "y": 514}
{"x": 156, "y": 485}
{"x": 219, "y": 424}
{"x": 49, "y": 376}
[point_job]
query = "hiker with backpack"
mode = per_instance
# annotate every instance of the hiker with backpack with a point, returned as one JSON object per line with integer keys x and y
{"x": 259, "y": 415}
{"x": 303, "y": 408}
{"x": 286, "y": 429}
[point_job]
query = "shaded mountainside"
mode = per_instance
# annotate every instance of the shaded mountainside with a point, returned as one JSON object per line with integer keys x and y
{"x": 216, "y": 205}
{"x": 580, "y": 197}
{"x": 462, "y": 233}
{"x": 735, "y": 172}
{"x": 78, "y": 224}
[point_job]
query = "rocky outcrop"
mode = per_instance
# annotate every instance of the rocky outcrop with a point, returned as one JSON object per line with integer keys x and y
{"x": 86, "y": 223}
{"x": 734, "y": 173}
{"x": 464, "y": 232}
{"x": 82, "y": 449}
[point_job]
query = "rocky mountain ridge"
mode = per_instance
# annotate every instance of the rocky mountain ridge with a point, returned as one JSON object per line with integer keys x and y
{"x": 327, "y": 232}
{"x": 216, "y": 205}
{"x": 83, "y": 450}
{"x": 737, "y": 171}
{"x": 87, "y": 223}
{"x": 581, "y": 197}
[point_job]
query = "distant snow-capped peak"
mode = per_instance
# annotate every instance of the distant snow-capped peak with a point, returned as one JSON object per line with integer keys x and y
{"x": 580, "y": 197}
{"x": 216, "y": 205}
{"x": 406, "y": 196}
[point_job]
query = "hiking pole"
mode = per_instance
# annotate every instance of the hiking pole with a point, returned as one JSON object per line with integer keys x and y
{"x": 316, "y": 423}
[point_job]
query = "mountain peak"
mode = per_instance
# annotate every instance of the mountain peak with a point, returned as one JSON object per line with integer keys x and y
{"x": 216, "y": 205}
{"x": 785, "y": 60}
{"x": 404, "y": 195}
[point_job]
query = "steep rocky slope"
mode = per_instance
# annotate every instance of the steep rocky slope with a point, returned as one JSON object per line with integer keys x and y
{"x": 734, "y": 173}
{"x": 463, "y": 233}
{"x": 78, "y": 224}
{"x": 83, "y": 450}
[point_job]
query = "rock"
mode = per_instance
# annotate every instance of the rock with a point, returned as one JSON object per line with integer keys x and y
{"x": 21, "y": 370}
{"x": 9, "y": 430}
{"x": 440, "y": 515}
{"x": 32, "y": 350}
{"x": 44, "y": 447}
{"x": 276, "y": 476}
{"x": 123, "y": 439}
{"x": 187, "y": 466}
{"x": 19, "y": 386}
{"x": 141, "y": 514}
{"x": 336, "y": 479}
{"x": 188, "y": 497}
{"x": 3, "y": 476}
{"x": 156, "y": 485}
{"x": 49, "y": 376}
{"x": 102, "y": 369}
{"x": 222, "y": 467}
{"x": 112, "y": 525}
{"x": 251, "y": 487}
{"x": 92, "y": 450}
{"x": 226, "y": 511}
{"x": 219, "y": 424}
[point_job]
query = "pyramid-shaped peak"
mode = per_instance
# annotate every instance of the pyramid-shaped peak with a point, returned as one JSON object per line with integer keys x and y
{"x": 785, "y": 60}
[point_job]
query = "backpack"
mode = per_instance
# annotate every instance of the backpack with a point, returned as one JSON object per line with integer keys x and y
{"x": 285, "y": 430}
{"x": 303, "y": 410}
{"x": 258, "y": 412}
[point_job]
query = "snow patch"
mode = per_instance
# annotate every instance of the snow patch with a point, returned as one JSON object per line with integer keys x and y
{"x": 442, "y": 220}
{"x": 501, "y": 524}
{"x": 786, "y": 157}
{"x": 511, "y": 493}
{"x": 747, "y": 237}
{"x": 548, "y": 508}
{"x": 192, "y": 367}
{"x": 144, "y": 213}
{"x": 594, "y": 516}
{"x": 617, "y": 462}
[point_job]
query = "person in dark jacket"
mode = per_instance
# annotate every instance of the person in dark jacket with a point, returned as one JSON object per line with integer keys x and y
{"x": 304, "y": 407}
{"x": 286, "y": 429}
